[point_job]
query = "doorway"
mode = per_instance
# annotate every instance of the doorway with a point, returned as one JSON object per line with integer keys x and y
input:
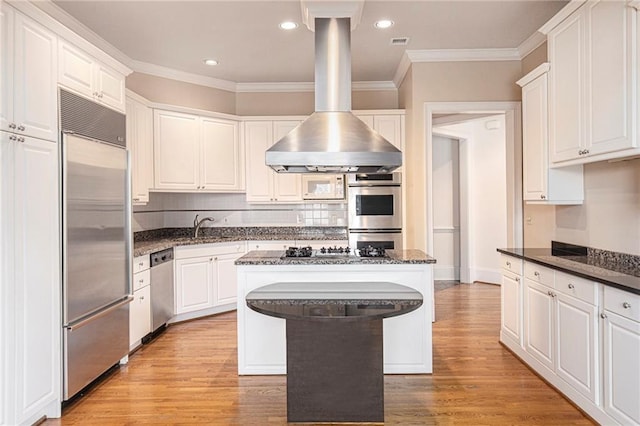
{"x": 474, "y": 258}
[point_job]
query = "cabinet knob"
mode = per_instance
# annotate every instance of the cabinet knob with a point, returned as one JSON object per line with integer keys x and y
{"x": 21, "y": 127}
{"x": 136, "y": 199}
{"x": 509, "y": 264}
{"x": 101, "y": 95}
{"x": 141, "y": 263}
{"x": 586, "y": 151}
{"x": 13, "y": 137}
{"x": 549, "y": 293}
{"x": 20, "y": 139}
{"x": 543, "y": 197}
{"x": 603, "y": 315}
{"x": 537, "y": 274}
{"x": 517, "y": 279}
{"x": 571, "y": 286}
{"x": 626, "y": 305}
{"x": 141, "y": 297}
{"x": 211, "y": 259}
{"x": 12, "y": 125}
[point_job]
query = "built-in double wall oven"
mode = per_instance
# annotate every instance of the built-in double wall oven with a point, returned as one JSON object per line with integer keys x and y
{"x": 375, "y": 210}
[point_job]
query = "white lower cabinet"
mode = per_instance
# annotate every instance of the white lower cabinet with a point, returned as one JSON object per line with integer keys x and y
{"x": 622, "y": 355}
{"x": 205, "y": 278}
{"x": 140, "y": 307}
{"x": 511, "y": 298}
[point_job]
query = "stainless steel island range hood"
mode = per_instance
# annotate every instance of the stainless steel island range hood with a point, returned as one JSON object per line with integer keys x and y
{"x": 332, "y": 139}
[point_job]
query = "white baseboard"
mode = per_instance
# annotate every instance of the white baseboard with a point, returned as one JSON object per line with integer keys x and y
{"x": 491, "y": 276}
{"x": 446, "y": 273}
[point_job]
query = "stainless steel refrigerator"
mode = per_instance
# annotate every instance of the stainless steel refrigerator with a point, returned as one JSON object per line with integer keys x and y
{"x": 96, "y": 238}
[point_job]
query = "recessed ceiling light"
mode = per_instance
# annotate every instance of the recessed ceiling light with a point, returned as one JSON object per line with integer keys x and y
{"x": 211, "y": 62}
{"x": 288, "y": 25}
{"x": 384, "y": 23}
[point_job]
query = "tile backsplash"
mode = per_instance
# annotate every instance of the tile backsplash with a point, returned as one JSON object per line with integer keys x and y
{"x": 175, "y": 210}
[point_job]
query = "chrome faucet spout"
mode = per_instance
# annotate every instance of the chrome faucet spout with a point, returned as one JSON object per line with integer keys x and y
{"x": 197, "y": 224}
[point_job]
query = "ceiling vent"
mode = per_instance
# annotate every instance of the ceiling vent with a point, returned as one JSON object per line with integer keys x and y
{"x": 399, "y": 41}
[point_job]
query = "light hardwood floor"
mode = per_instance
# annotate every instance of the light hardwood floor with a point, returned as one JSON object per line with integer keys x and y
{"x": 189, "y": 376}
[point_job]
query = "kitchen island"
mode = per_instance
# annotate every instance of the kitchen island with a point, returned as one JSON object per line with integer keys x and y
{"x": 407, "y": 338}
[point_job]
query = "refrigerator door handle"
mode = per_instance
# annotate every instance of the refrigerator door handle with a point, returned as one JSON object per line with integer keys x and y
{"x": 102, "y": 313}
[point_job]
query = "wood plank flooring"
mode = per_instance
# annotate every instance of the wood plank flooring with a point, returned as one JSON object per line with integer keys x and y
{"x": 189, "y": 376}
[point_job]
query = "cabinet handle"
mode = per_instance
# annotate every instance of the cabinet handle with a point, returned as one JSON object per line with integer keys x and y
{"x": 626, "y": 305}
{"x": 21, "y": 127}
{"x": 537, "y": 274}
{"x": 141, "y": 297}
{"x": 586, "y": 151}
{"x": 603, "y": 315}
{"x": 543, "y": 197}
{"x": 549, "y": 293}
{"x": 509, "y": 264}
{"x": 141, "y": 280}
{"x": 12, "y": 125}
{"x": 141, "y": 263}
{"x": 20, "y": 139}
{"x": 13, "y": 137}
{"x": 101, "y": 95}
{"x": 211, "y": 259}
{"x": 571, "y": 286}
{"x": 517, "y": 279}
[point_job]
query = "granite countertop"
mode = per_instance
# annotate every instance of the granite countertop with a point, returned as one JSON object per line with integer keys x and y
{"x": 146, "y": 242}
{"x": 335, "y": 300}
{"x": 606, "y": 271}
{"x": 274, "y": 257}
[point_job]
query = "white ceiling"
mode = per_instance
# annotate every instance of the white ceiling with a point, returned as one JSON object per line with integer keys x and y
{"x": 244, "y": 35}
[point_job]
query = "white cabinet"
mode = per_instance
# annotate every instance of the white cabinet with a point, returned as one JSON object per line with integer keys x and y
{"x": 85, "y": 75}
{"x": 591, "y": 82}
{"x": 30, "y": 296}
{"x": 28, "y": 93}
{"x": 390, "y": 125}
{"x": 206, "y": 277}
{"x": 263, "y": 184}
{"x": 511, "y": 298}
{"x": 621, "y": 355}
{"x": 196, "y": 154}
{"x": 140, "y": 145}
{"x": 140, "y": 307}
{"x": 543, "y": 185}
{"x": 561, "y": 325}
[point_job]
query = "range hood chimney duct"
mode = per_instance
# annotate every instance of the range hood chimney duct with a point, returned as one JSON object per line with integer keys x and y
{"x": 332, "y": 139}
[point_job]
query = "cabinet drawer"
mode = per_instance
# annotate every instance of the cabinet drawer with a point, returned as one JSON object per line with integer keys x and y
{"x": 141, "y": 263}
{"x": 141, "y": 279}
{"x": 270, "y": 245}
{"x": 622, "y": 303}
{"x": 213, "y": 249}
{"x": 512, "y": 264}
{"x": 579, "y": 288}
{"x": 538, "y": 273}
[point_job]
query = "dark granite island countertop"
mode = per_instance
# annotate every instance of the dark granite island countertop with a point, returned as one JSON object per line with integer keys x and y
{"x": 275, "y": 257}
{"x": 608, "y": 272}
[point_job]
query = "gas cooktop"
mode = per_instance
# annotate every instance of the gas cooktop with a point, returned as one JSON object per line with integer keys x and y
{"x": 368, "y": 251}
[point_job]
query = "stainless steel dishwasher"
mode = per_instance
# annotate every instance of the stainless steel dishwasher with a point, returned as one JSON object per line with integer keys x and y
{"x": 161, "y": 288}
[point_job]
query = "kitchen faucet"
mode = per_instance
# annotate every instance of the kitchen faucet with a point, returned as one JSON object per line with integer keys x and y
{"x": 197, "y": 224}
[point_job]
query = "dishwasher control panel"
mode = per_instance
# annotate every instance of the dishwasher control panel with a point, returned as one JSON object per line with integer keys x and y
{"x": 161, "y": 257}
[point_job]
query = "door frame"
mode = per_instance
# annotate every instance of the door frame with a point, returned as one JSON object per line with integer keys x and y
{"x": 513, "y": 142}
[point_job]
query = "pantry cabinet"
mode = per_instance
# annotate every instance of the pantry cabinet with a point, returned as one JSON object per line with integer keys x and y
{"x": 30, "y": 364}
{"x": 263, "y": 184}
{"x": 205, "y": 277}
{"x": 140, "y": 146}
{"x": 195, "y": 153}
{"x": 28, "y": 92}
{"x": 85, "y": 75}
{"x": 542, "y": 184}
{"x": 591, "y": 82}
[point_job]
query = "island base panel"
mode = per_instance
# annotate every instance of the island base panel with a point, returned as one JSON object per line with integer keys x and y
{"x": 335, "y": 371}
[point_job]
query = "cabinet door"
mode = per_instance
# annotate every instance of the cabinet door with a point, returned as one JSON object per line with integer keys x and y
{"x": 226, "y": 279}
{"x": 566, "y": 88}
{"x": 140, "y": 315}
{"x": 110, "y": 87}
{"x": 75, "y": 69}
{"x": 368, "y": 119}
{"x": 140, "y": 144}
{"x": 609, "y": 77}
{"x": 6, "y": 67}
{"x": 175, "y": 150}
{"x": 220, "y": 159}
{"x": 534, "y": 138}
{"x": 538, "y": 322}
{"x": 35, "y": 99}
{"x": 259, "y": 177}
{"x": 511, "y": 295}
{"x": 390, "y": 127}
{"x": 287, "y": 187}
{"x": 36, "y": 284}
{"x": 577, "y": 344}
{"x": 621, "y": 368}
{"x": 194, "y": 290}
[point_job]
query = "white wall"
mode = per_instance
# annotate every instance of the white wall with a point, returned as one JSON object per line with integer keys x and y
{"x": 483, "y": 156}
{"x": 446, "y": 206}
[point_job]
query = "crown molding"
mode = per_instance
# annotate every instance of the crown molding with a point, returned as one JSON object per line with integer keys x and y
{"x": 369, "y": 86}
{"x": 173, "y": 74}
{"x": 534, "y": 41}
{"x": 284, "y": 87}
{"x": 463, "y": 55}
{"x": 535, "y": 73}
{"x": 570, "y": 7}
{"x": 403, "y": 68}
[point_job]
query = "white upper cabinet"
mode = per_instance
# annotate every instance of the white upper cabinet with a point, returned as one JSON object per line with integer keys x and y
{"x": 591, "y": 84}
{"x": 28, "y": 60}
{"x": 543, "y": 185}
{"x": 84, "y": 74}
{"x": 195, "y": 153}
{"x": 140, "y": 145}
{"x": 263, "y": 184}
